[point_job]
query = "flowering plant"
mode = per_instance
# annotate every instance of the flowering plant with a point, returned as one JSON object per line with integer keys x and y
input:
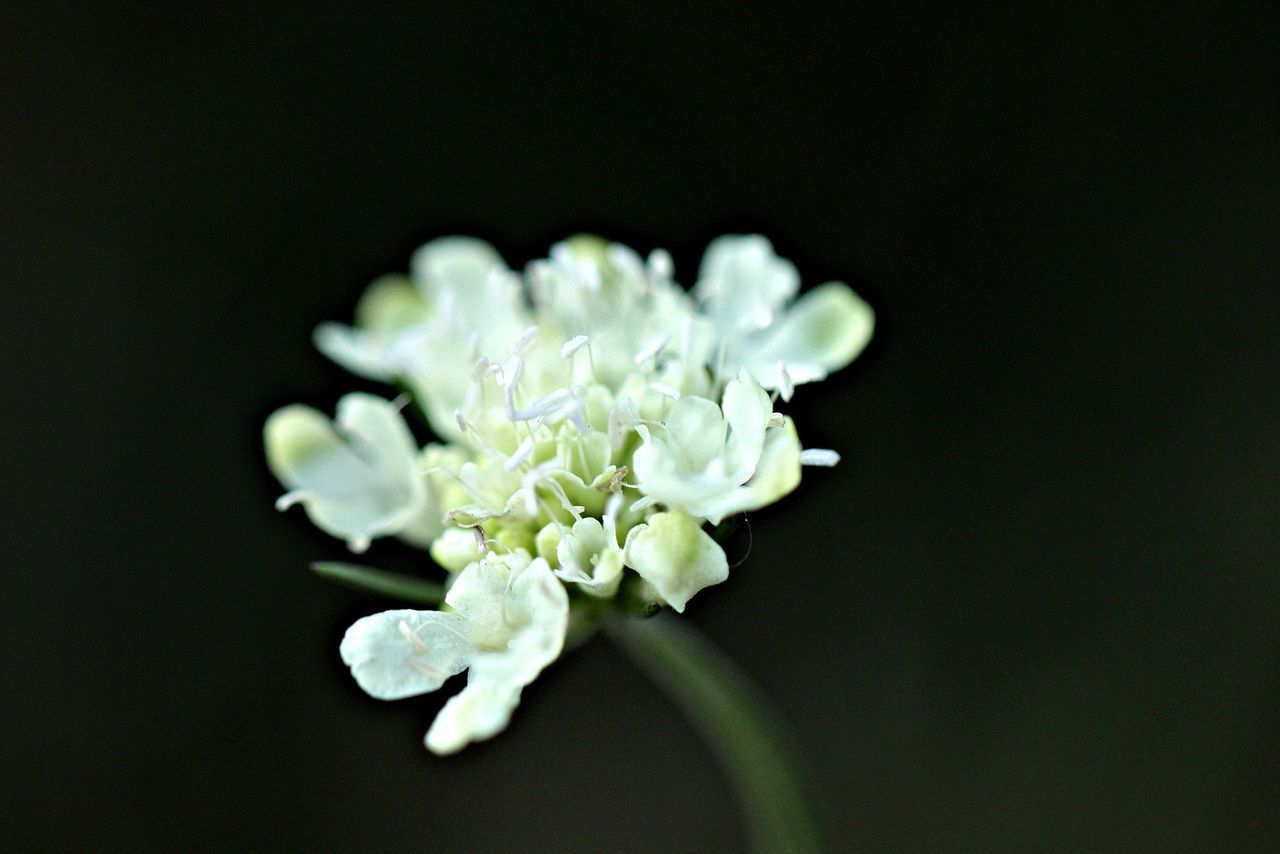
{"x": 592, "y": 417}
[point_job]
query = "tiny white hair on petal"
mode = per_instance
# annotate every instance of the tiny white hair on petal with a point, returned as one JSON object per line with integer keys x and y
{"x": 819, "y": 457}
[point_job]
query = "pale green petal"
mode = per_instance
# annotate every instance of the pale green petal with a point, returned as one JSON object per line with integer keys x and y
{"x": 743, "y": 283}
{"x": 389, "y": 304}
{"x": 822, "y": 333}
{"x": 776, "y": 475}
{"x": 357, "y": 477}
{"x": 403, "y": 653}
{"x": 676, "y": 556}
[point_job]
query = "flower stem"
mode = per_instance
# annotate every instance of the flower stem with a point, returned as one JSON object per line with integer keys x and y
{"x": 379, "y": 582}
{"x": 738, "y": 723}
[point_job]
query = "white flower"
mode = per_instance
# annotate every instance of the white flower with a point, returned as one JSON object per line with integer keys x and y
{"x": 508, "y": 622}
{"x": 594, "y": 417}
{"x": 590, "y": 556}
{"x": 711, "y": 460}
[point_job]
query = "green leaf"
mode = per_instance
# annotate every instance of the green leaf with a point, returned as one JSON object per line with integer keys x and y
{"x": 746, "y": 735}
{"x": 381, "y": 583}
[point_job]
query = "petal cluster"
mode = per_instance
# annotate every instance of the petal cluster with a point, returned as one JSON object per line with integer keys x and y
{"x": 592, "y": 416}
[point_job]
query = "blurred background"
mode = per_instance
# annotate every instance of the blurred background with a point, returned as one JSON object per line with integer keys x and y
{"x": 1037, "y": 606}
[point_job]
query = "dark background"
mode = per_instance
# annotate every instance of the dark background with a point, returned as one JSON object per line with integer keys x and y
{"x": 1037, "y": 607}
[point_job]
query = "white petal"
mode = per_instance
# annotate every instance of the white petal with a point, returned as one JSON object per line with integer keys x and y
{"x": 776, "y": 475}
{"x": 676, "y": 556}
{"x": 480, "y": 711}
{"x": 458, "y": 265}
{"x": 455, "y": 549}
{"x": 358, "y": 477}
{"x": 403, "y": 653}
{"x": 537, "y": 609}
{"x": 697, "y": 428}
{"x": 743, "y": 283}
{"x": 389, "y": 306}
{"x": 362, "y": 353}
{"x": 822, "y": 333}
{"x": 479, "y": 594}
{"x": 746, "y": 409}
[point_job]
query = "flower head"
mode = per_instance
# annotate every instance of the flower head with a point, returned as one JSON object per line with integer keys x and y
{"x": 593, "y": 415}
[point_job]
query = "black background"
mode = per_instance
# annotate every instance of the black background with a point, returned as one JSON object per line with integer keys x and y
{"x": 1035, "y": 608}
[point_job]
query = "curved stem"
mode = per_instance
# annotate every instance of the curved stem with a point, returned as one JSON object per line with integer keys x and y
{"x": 737, "y": 722}
{"x": 379, "y": 582}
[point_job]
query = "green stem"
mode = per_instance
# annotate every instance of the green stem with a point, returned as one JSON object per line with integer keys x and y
{"x": 743, "y": 731}
{"x": 379, "y": 582}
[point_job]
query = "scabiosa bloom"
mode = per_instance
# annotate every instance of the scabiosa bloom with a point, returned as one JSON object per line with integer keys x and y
{"x": 592, "y": 417}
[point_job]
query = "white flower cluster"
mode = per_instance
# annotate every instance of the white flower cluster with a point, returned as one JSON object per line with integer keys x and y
{"x": 593, "y": 415}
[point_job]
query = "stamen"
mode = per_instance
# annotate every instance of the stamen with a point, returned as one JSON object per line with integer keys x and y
{"x": 613, "y": 506}
{"x": 653, "y": 348}
{"x": 521, "y": 454}
{"x": 525, "y": 341}
{"x": 573, "y": 345}
{"x": 546, "y": 405}
{"x": 665, "y": 390}
{"x": 777, "y": 419}
{"x": 412, "y": 637}
{"x": 297, "y": 496}
{"x": 819, "y": 457}
{"x": 785, "y": 386}
{"x": 460, "y": 419}
{"x": 482, "y": 545}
